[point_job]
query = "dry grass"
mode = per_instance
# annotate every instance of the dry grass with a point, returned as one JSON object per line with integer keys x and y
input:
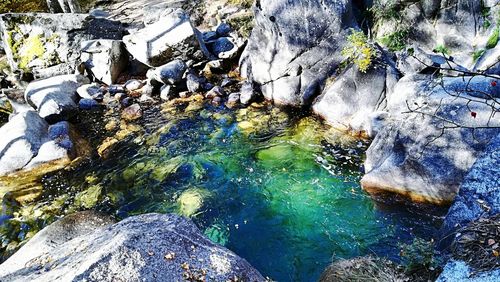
{"x": 363, "y": 269}
{"x": 478, "y": 244}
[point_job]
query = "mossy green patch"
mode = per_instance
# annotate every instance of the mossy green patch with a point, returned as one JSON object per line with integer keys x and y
{"x": 493, "y": 39}
{"x": 33, "y": 48}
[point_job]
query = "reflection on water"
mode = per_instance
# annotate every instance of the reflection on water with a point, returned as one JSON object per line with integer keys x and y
{"x": 282, "y": 193}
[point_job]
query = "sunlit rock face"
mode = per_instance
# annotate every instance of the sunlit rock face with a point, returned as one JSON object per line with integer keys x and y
{"x": 295, "y": 46}
{"x": 145, "y": 247}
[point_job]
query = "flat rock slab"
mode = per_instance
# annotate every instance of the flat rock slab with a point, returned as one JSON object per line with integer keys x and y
{"x": 38, "y": 41}
{"x": 172, "y": 36}
{"x": 150, "y": 247}
{"x": 55, "y": 98}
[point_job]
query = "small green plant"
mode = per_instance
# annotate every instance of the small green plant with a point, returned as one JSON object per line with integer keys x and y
{"x": 19, "y": 6}
{"x": 390, "y": 10}
{"x": 419, "y": 256}
{"x": 242, "y": 3}
{"x": 441, "y": 49}
{"x": 396, "y": 41}
{"x": 493, "y": 39}
{"x": 477, "y": 54}
{"x": 359, "y": 51}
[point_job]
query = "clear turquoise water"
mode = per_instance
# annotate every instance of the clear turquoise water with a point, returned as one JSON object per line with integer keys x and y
{"x": 285, "y": 197}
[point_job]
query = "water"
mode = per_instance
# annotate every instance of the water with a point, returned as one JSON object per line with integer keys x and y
{"x": 282, "y": 193}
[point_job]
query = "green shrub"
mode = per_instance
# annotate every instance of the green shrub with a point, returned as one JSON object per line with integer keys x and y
{"x": 493, "y": 39}
{"x": 395, "y": 41}
{"x": 359, "y": 51}
{"x": 477, "y": 54}
{"x": 441, "y": 49}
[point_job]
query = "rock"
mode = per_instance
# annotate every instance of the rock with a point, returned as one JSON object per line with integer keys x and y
{"x": 104, "y": 59}
{"x": 233, "y": 100}
{"x": 48, "y": 72}
{"x": 194, "y": 83}
{"x": 172, "y": 36}
{"x": 349, "y": 102}
{"x": 132, "y": 112}
{"x": 20, "y": 140}
{"x": 125, "y": 101}
{"x": 228, "y": 82}
{"x": 107, "y": 147}
{"x": 90, "y": 91}
{"x": 247, "y": 93}
{"x": 133, "y": 85}
{"x": 99, "y": 13}
{"x": 148, "y": 90}
{"x": 209, "y": 36}
{"x": 59, "y": 130}
{"x": 216, "y": 101}
{"x": 460, "y": 271}
{"x": 38, "y": 41}
{"x": 50, "y": 151}
{"x": 54, "y": 98}
{"x": 217, "y": 91}
{"x": 294, "y": 48}
{"x": 166, "y": 93}
{"x": 170, "y": 73}
{"x": 223, "y": 30}
{"x": 423, "y": 157}
{"x": 115, "y": 89}
{"x": 477, "y": 196}
{"x": 64, "y": 6}
{"x": 140, "y": 248}
{"x": 88, "y": 104}
{"x": 223, "y": 48}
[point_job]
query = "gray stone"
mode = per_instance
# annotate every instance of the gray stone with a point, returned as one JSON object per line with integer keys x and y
{"x": 233, "y": 100}
{"x": 51, "y": 237}
{"x": 20, "y": 140}
{"x": 52, "y": 39}
{"x": 50, "y": 151}
{"x": 460, "y": 271}
{"x": 294, "y": 48}
{"x": 90, "y": 91}
{"x": 150, "y": 247}
{"x": 479, "y": 194}
{"x": 104, "y": 59}
{"x": 133, "y": 85}
{"x": 217, "y": 91}
{"x": 166, "y": 93}
{"x": 348, "y": 103}
{"x": 54, "y": 98}
{"x": 172, "y": 36}
{"x": 170, "y": 73}
{"x": 421, "y": 153}
{"x": 194, "y": 83}
{"x": 247, "y": 93}
{"x": 114, "y": 89}
{"x": 88, "y": 104}
{"x": 223, "y": 30}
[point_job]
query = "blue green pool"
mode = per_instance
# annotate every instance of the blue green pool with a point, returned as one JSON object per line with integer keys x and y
{"x": 281, "y": 192}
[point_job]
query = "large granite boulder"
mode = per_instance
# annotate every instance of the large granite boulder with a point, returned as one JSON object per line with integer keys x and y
{"x": 429, "y": 142}
{"x": 171, "y": 36}
{"x": 105, "y": 59}
{"x": 295, "y": 46}
{"x": 39, "y": 41}
{"x": 355, "y": 100}
{"x": 479, "y": 193}
{"x": 55, "y": 98}
{"x": 151, "y": 247}
{"x": 20, "y": 140}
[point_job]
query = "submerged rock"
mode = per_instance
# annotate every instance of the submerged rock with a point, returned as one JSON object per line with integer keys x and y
{"x": 55, "y": 98}
{"x": 172, "y": 36}
{"x": 132, "y": 112}
{"x": 145, "y": 247}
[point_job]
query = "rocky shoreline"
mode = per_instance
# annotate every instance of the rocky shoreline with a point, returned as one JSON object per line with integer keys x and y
{"x": 429, "y": 107}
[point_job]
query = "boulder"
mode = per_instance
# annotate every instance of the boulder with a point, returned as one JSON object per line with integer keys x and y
{"x": 55, "y": 98}
{"x": 460, "y": 271}
{"x": 150, "y": 247}
{"x": 247, "y": 93}
{"x": 479, "y": 194}
{"x": 38, "y": 41}
{"x": 105, "y": 59}
{"x": 172, "y": 36}
{"x": 436, "y": 132}
{"x": 170, "y": 73}
{"x": 20, "y": 140}
{"x": 194, "y": 83}
{"x": 295, "y": 47}
{"x": 90, "y": 91}
{"x": 350, "y": 102}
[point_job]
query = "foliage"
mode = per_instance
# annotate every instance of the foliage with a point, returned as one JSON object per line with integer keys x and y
{"x": 396, "y": 41}
{"x": 493, "y": 39}
{"x": 390, "y": 10}
{"x": 359, "y": 51}
{"x": 19, "y": 6}
{"x": 418, "y": 257}
{"x": 441, "y": 49}
{"x": 477, "y": 54}
{"x": 243, "y": 24}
